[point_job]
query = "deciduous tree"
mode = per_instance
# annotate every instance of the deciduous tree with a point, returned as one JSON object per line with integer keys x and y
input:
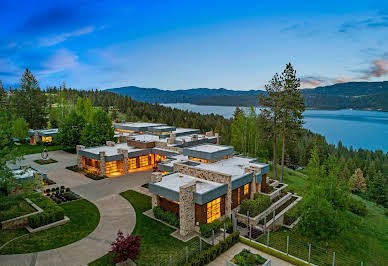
{"x": 357, "y": 182}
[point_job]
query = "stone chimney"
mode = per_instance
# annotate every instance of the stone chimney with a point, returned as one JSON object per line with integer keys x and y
{"x": 209, "y": 133}
{"x": 194, "y": 137}
{"x": 102, "y": 163}
{"x": 171, "y": 140}
{"x": 79, "y": 156}
{"x": 218, "y": 138}
{"x": 187, "y": 208}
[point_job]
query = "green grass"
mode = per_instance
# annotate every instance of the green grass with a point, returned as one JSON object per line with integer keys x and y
{"x": 156, "y": 243}
{"x": 25, "y": 149}
{"x": 366, "y": 241}
{"x": 19, "y": 209}
{"x": 42, "y": 162}
{"x": 6, "y": 235}
{"x": 84, "y": 218}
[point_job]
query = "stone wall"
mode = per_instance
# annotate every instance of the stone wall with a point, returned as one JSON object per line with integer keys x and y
{"x": 187, "y": 208}
{"x": 211, "y": 176}
{"x": 102, "y": 163}
{"x": 254, "y": 170}
{"x": 79, "y": 157}
{"x": 163, "y": 145}
{"x": 156, "y": 177}
{"x": 124, "y": 152}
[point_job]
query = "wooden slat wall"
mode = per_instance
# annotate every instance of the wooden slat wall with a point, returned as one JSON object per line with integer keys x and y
{"x": 168, "y": 205}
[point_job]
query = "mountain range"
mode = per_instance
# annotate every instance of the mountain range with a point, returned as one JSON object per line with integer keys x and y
{"x": 350, "y": 95}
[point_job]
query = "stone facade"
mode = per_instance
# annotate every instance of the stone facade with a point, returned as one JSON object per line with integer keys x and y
{"x": 211, "y": 176}
{"x": 36, "y": 138}
{"x": 102, "y": 163}
{"x": 124, "y": 152}
{"x": 110, "y": 143}
{"x": 163, "y": 145}
{"x": 187, "y": 208}
{"x": 155, "y": 177}
{"x": 254, "y": 170}
{"x": 79, "y": 157}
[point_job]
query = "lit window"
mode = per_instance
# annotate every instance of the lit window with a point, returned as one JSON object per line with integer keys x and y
{"x": 132, "y": 163}
{"x": 213, "y": 210}
{"x": 47, "y": 139}
{"x": 143, "y": 161}
{"x": 114, "y": 168}
{"x": 246, "y": 189}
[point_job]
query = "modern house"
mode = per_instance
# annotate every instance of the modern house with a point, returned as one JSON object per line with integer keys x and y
{"x": 42, "y": 135}
{"x": 204, "y": 183}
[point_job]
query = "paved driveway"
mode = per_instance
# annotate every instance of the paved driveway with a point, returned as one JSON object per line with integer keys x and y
{"x": 116, "y": 212}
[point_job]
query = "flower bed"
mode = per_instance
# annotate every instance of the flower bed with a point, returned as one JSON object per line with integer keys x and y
{"x": 247, "y": 258}
{"x": 51, "y": 212}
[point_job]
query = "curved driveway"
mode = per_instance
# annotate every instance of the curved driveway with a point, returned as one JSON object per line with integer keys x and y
{"x": 116, "y": 213}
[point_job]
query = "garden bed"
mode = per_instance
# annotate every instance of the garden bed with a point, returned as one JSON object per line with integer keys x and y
{"x": 247, "y": 258}
{"x": 279, "y": 209}
{"x": 61, "y": 194}
{"x": 43, "y": 162}
{"x": 90, "y": 175}
{"x": 14, "y": 206}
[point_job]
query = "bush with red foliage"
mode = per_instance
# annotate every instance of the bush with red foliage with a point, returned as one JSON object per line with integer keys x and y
{"x": 125, "y": 247}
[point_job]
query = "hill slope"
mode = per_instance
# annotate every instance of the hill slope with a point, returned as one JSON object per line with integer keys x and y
{"x": 355, "y": 95}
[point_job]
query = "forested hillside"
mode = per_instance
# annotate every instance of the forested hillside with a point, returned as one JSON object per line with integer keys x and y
{"x": 355, "y": 95}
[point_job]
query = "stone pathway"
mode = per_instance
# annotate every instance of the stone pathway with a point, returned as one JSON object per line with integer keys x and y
{"x": 116, "y": 213}
{"x": 224, "y": 257}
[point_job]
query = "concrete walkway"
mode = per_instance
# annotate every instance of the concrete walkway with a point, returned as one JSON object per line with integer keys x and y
{"x": 221, "y": 260}
{"x": 115, "y": 211}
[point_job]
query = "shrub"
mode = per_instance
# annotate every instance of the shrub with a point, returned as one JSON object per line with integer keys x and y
{"x": 255, "y": 206}
{"x": 51, "y": 212}
{"x": 207, "y": 229}
{"x": 211, "y": 254}
{"x": 62, "y": 187}
{"x": 53, "y": 189}
{"x": 67, "y": 189}
{"x": 357, "y": 207}
{"x": 125, "y": 247}
{"x": 166, "y": 216}
{"x": 246, "y": 257}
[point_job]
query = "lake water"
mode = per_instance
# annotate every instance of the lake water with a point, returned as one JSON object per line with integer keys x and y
{"x": 360, "y": 129}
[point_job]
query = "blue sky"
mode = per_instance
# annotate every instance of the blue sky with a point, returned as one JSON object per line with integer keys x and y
{"x": 191, "y": 44}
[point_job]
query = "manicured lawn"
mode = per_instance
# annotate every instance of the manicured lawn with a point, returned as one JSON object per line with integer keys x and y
{"x": 6, "y": 235}
{"x": 48, "y": 161}
{"x": 156, "y": 243}
{"x": 25, "y": 149}
{"x": 84, "y": 218}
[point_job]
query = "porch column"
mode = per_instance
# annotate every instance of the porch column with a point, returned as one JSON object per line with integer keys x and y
{"x": 124, "y": 152}
{"x": 155, "y": 177}
{"x": 79, "y": 156}
{"x": 102, "y": 163}
{"x": 187, "y": 208}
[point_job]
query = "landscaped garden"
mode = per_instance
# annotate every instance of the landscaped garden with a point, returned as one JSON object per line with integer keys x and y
{"x": 247, "y": 258}
{"x": 84, "y": 218}
{"x": 156, "y": 242}
{"x": 14, "y": 206}
{"x": 93, "y": 176}
{"x": 61, "y": 194}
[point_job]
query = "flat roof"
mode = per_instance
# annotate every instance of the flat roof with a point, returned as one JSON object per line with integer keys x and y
{"x": 209, "y": 148}
{"x": 23, "y": 173}
{"x": 175, "y": 180}
{"x": 44, "y": 132}
{"x": 184, "y": 130}
{"x": 140, "y": 124}
{"x": 145, "y": 137}
{"x": 111, "y": 150}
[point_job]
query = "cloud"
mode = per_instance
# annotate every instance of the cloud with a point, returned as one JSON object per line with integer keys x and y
{"x": 312, "y": 81}
{"x": 342, "y": 80}
{"x": 378, "y": 68}
{"x": 55, "y": 39}
{"x": 379, "y": 21}
{"x": 61, "y": 60}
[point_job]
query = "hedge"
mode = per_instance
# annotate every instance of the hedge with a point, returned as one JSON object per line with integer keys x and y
{"x": 212, "y": 253}
{"x": 272, "y": 252}
{"x": 216, "y": 225}
{"x": 255, "y": 206}
{"x": 166, "y": 216}
{"x": 51, "y": 212}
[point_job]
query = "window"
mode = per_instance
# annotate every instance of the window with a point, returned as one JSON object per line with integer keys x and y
{"x": 114, "y": 168}
{"x": 143, "y": 160}
{"x": 246, "y": 189}
{"x": 238, "y": 196}
{"x": 213, "y": 210}
{"x": 47, "y": 139}
{"x": 132, "y": 163}
{"x": 198, "y": 160}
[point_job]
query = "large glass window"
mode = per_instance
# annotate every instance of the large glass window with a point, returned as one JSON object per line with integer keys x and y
{"x": 213, "y": 210}
{"x": 47, "y": 139}
{"x": 143, "y": 160}
{"x": 132, "y": 163}
{"x": 246, "y": 189}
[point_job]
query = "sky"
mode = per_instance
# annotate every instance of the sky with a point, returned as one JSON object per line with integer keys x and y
{"x": 192, "y": 44}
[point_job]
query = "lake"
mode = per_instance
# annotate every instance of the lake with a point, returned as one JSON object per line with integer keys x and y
{"x": 360, "y": 129}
